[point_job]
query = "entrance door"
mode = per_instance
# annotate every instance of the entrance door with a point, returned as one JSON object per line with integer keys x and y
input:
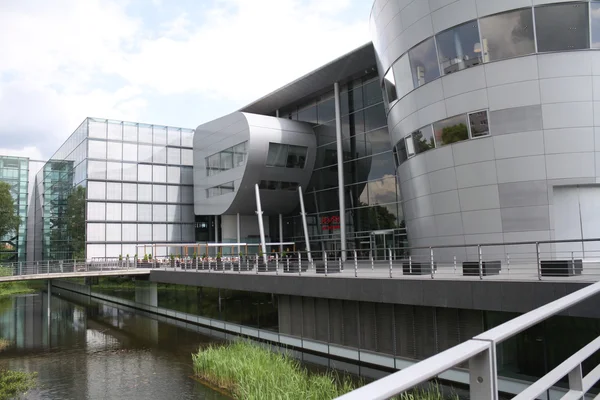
{"x": 381, "y": 241}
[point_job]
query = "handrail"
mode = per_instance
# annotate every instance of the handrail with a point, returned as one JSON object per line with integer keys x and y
{"x": 486, "y": 343}
{"x": 409, "y": 377}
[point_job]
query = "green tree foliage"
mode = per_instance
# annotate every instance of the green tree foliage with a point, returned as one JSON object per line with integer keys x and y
{"x": 455, "y": 133}
{"x": 75, "y": 220}
{"x": 9, "y": 219}
{"x": 421, "y": 143}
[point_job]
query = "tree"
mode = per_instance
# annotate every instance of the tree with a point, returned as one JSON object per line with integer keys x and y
{"x": 75, "y": 216}
{"x": 455, "y": 133}
{"x": 9, "y": 219}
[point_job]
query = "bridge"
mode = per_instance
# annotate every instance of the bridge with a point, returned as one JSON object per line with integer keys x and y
{"x": 61, "y": 269}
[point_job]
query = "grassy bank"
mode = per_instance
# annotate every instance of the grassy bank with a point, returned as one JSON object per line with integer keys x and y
{"x": 247, "y": 371}
{"x": 15, "y": 383}
{"x": 12, "y": 288}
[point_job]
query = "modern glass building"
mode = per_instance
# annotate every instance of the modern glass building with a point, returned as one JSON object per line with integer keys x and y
{"x": 15, "y": 171}
{"x": 113, "y": 185}
{"x": 290, "y": 139}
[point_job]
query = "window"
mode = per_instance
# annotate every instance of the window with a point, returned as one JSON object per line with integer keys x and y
{"x": 221, "y": 189}
{"x": 159, "y": 173}
{"x": 275, "y": 185}
{"x": 288, "y": 156}
{"x": 401, "y": 151}
{"x": 97, "y": 149}
{"x": 410, "y": 147}
{"x": 595, "y": 10}
{"x": 239, "y": 155}
{"x": 459, "y": 48}
{"x": 173, "y": 155}
{"x": 562, "y": 26}
{"x": 479, "y": 124}
{"x": 227, "y": 159}
{"x": 402, "y": 76}
{"x": 423, "y": 139}
{"x": 296, "y": 157}
{"x": 507, "y": 35}
{"x": 451, "y": 130}
{"x": 277, "y": 155}
{"x": 160, "y": 135}
{"x": 389, "y": 86}
{"x": 424, "y": 64}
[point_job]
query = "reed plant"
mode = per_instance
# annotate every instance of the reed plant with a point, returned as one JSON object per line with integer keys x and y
{"x": 248, "y": 371}
{"x": 15, "y": 383}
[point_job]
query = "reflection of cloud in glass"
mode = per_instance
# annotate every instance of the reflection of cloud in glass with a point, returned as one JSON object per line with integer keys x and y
{"x": 423, "y": 62}
{"x": 383, "y": 191}
{"x": 508, "y": 35}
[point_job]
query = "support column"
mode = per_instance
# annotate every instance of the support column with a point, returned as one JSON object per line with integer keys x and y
{"x": 304, "y": 224}
{"x": 216, "y": 233}
{"x": 280, "y": 233}
{"x": 277, "y": 113}
{"x": 49, "y": 295}
{"x": 261, "y": 227}
{"x": 340, "y": 161}
{"x": 239, "y": 250}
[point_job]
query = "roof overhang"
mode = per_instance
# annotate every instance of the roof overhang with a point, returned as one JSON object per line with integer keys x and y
{"x": 347, "y": 67}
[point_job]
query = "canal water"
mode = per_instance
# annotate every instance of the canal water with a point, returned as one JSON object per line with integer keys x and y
{"x": 88, "y": 350}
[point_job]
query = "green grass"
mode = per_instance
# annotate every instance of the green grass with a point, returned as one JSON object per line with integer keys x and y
{"x": 247, "y": 371}
{"x": 12, "y": 288}
{"x": 15, "y": 383}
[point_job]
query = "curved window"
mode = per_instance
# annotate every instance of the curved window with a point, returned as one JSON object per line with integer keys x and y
{"x": 424, "y": 64}
{"x": 459, "y": 48}
{"x": 402, "y": 76}
{"x": 595, "y": 18}
{"x": 389, "y": 86}
{"x": 451, "y": 130}
{"x": 562, "y": 26}
{"x": 507, "y": 35}
{"x": 423, "y": 139}
{"x": 286, "y": 156}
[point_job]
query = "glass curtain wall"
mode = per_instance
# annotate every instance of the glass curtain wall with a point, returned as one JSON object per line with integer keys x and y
{"x": 15, "y": 171}
{"x": 60, "y": 201}
{"x": 371, "y": 192}
{"x": 139, "y": 188}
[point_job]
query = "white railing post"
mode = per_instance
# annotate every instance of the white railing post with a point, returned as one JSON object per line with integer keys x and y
{"x": 431, "y": 261}
{"x": 325, "y": 259}
{"x": 576, "y": 379}
{"x": 480, "y": 255}
{"x": 48, "y": 265}
{"x": 508, "y": 263}
{"x": 355, "y": 265}
{"x": 455, "y": 264}
{"x": 256, "y": 264}
{"x": 276, "y": 263}
{"x": 340, "y": 267}
{"x": 410, "y": 264}
{"x": 539, "y": 263}
{"x": 482, "y": 375}
{"x": 299, "y": 264}
{"x": 390, "y": 260}
{"x": 372, "y": 260}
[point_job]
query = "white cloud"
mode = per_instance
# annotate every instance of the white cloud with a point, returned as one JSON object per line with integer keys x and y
{"x": 68, "y": 59}
{"x": 32, "y": 152}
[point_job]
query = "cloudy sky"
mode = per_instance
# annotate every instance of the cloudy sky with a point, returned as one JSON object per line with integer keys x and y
{"x": 171, "y": 62}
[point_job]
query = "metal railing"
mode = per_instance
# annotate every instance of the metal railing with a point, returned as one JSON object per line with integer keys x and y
{"x": 578, "y": 259}
{"x": 72, "y": 266}
{"x": 480, "y": 352}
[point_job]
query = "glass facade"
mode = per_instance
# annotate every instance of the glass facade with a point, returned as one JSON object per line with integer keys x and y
{"x": 109, "y": 173}
{"x": 15, "y": 171}
{"x": 371, "y": 192}
{"x": 225, "y": 160}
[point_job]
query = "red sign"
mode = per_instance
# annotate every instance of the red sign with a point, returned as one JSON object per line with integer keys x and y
{"x": 330, "y": 223}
